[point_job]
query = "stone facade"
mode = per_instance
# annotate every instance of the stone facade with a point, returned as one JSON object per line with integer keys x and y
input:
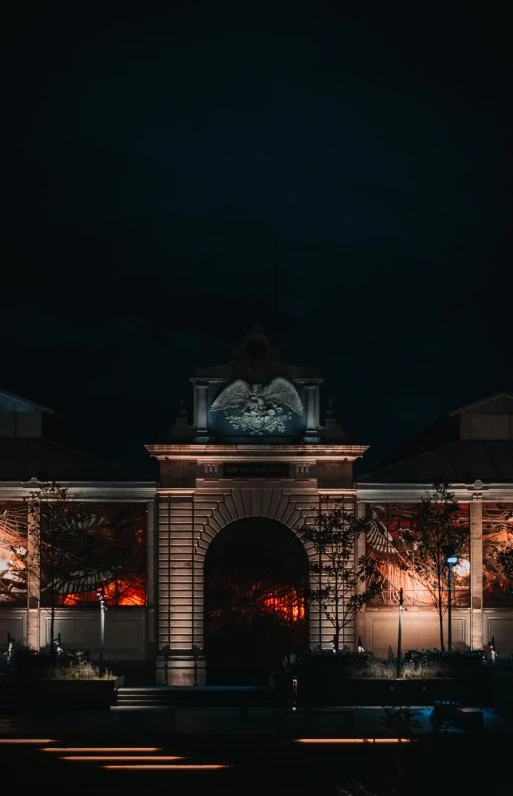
{"x": 130, "y": 633}
{"x": 472, "y": 627}
{"x": 256, "y": 448}
{"x": 472, "y": 450}
{"x": 191, "y": 516}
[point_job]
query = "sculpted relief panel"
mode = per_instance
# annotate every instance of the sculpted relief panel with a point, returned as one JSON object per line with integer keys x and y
{"x": 260, "y": 408}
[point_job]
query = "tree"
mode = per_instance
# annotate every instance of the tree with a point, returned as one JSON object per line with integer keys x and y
{"x": 56, "y": 518}
{"x": 434, "y": 530}
{"x": 505, "y": 559}
{"x": 337, "y": 582}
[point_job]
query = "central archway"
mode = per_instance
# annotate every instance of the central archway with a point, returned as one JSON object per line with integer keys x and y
{"x": 255, "y": 613}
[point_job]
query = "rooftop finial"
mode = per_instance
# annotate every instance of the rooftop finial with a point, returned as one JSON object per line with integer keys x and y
{"x": 180, "y": 427}
{"x": 332, "y": 430}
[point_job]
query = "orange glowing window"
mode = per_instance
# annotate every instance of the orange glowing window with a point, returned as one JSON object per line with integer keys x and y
{"x": 109, "y": 554}
{"x": 289, "y": 607}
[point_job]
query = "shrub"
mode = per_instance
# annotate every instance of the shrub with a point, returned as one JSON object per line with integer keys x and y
{"x": 30, "y": 665}
{"x": 456, "y": 660}
{"x": 374, "y": 670}
{"x": 401, "y": 722}
{"x": 86, "y": 671}
{"x": 418, "y": 665}
{"x": 27, "y": 664}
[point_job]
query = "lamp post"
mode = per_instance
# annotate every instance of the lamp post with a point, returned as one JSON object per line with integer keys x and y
{"x": 400, "y": 637}
{"x": 450, "y": 559}
{"x": 101, "y": 596}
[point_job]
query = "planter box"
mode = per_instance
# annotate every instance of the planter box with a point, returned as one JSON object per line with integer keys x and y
{"x": 69, "y": 694}
{"x": 322, "y": 692}
{"x": 469, "y": 719}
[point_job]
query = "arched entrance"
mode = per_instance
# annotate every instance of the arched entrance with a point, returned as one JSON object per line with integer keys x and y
{"x": 254, "y": 611}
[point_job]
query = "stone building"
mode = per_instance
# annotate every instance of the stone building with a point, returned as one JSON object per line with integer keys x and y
{"x": 471, "y": 449}
{"x": 120, "y": 506}
{"x": 207, "y": 589}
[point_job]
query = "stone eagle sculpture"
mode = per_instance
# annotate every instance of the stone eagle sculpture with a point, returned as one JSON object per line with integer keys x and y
{"x": 261, "y": 405}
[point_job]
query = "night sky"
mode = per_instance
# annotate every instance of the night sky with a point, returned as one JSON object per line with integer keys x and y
{"x": 153, "y": 155}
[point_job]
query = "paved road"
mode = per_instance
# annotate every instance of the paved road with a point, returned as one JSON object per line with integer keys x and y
{"x": 216, "y": 751}
{"x": 212, "y": 721}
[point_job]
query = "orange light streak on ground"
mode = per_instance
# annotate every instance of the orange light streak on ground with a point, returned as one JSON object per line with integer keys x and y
{"x": 101, "y": 748}
{"x": 126, "y": 758}
{"x": 352, "y": 740}
{"x": 170, "y": 768}
{"x": 27, "y": 740}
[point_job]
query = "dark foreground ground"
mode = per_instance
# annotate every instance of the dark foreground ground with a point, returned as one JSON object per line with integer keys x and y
{"x": 245, "y": 756}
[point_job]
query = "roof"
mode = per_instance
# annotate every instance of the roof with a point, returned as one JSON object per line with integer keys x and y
{"x": 256, "y": 365}
{"x": 15, "y": 403}
{"x": 463, "y": 461}
{"x": 22, "y": 459}
{"x": 446, "y": 451}
{"x": 498, "y": 402}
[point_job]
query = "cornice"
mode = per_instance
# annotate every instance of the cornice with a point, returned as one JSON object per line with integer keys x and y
{"x": 97, "y": 490}
{"x": 224, "y": 379}
{"x": 464, "y": 493}
{"x": 290, "y": 453}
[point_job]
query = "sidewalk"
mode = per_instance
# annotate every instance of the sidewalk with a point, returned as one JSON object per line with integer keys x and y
{"x": 211, "y": 721}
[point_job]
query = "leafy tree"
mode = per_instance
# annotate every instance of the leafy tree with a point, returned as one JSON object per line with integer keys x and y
{"x": 433, "y": 531}
{"x": 505, "y": 559}
{"x": 336, "y": 579}
{"x": 57, "y": 520}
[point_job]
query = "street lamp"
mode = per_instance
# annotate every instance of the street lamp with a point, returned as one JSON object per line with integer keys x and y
{"x": 451, "y": 559}
{"x": 101, "y": 596}
{"x": 400, "y": 637}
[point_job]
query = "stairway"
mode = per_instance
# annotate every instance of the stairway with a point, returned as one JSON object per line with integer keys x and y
{"x": 195, "y": 696}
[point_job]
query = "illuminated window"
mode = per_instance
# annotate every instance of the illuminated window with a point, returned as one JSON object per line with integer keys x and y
{"x": 110, "y": 551}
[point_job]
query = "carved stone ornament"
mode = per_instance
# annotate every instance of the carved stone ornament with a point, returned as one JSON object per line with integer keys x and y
{"x": 261, "y": 407}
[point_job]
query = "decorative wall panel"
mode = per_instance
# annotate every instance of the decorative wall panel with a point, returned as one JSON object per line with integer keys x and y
{"x": 497, "y": 538}
{"x": 387, "y": 545}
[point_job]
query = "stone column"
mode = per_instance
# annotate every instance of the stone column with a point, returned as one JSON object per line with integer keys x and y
{"x": 476, "y": 573}
{"x": 359, "y": 550}
{"x": 33, "y": 584}
{"x": 311, "y": 424}
{"x": 201, "y": 399}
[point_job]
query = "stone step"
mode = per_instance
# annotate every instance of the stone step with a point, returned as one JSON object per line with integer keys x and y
{"x": 150, "y": 703}
{"x": 195, "y": 696}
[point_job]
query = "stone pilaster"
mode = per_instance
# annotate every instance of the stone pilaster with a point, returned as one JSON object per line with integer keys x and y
{"x": 311, "y": 408}
{"x": 359, "y": 550}
{"x": 201, "y": 408}
{"x": 33, "y": 584}
{"x": 476, "y": 572}
{"x": 151, "y": 640}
